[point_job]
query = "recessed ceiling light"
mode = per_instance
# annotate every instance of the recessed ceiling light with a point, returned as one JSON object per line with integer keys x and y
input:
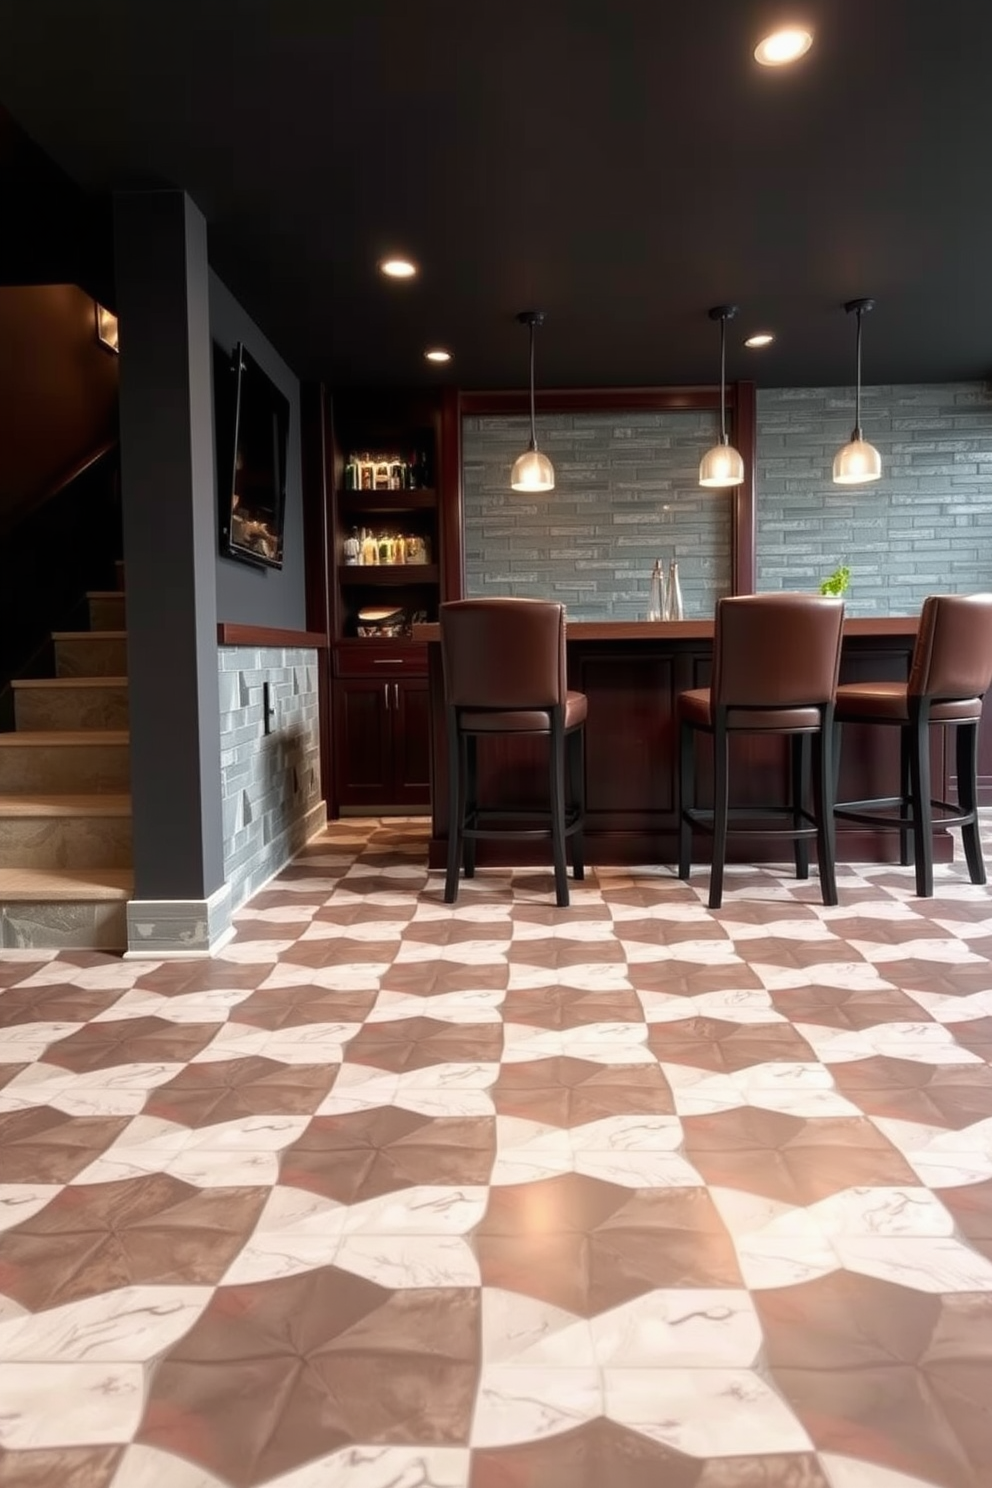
{"x": 438, "y": 354}
{"x": 783, "y": 47}
{"x": 398, "y": 268}
{"x": 762, "y": 338}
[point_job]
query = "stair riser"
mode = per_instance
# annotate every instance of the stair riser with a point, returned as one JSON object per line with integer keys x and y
{"x": 63, "y": 925}
{"x": 41, "y": 708}
{"x": 79, "y": 768}
{"x": 94, "y": 656}
{"x": 107, "y": 613}
{"x": 72, "y": 842}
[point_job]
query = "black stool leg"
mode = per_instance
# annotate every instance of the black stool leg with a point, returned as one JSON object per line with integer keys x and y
{"x": 455, "y": 811}
{"x": 823, "y": 805}
{"x": 905, "y": 798}
{"x": 919, "y": 779}
{"x": 575, "y": 743}
{"x": 967, "y": 762}
{"x": 799, "y": 788}
{"x": 470, "y": 805}
{"x": 687, "y": 795}
{"x": 721, "y": 802}
{"x": 557, "y": 746}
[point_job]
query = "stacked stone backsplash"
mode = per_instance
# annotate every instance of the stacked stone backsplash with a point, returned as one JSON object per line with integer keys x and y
{"x": 626, "y": 493}
{"x": 925, "y": 527}
{"x": 270, "y": 782}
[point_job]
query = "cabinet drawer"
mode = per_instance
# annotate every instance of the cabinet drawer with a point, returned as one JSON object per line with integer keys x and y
{"x": 380, "y": 659}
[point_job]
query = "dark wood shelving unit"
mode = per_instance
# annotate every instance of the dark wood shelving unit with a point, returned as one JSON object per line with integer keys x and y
{"x": 356, "y": 504}
{"x": 379, "y": 575}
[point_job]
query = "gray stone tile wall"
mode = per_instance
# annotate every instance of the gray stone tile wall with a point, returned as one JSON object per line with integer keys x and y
{"x": 626, "y": 492}
{"x": 270, "y": 782}
{"x": 925, "y": 527}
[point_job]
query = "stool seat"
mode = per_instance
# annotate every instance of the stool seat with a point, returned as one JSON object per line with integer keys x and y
{"x": 505, "y": 664}
{"x": 696, "y": 708}
{"x": 775, "y": 664}
{"x": 525, "y": 720}
{"x": 889, "y": 702}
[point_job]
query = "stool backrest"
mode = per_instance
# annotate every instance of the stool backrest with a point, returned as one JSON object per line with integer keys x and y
{"x": 776, "y": 650}
{"x": 503, "y": 653}
{"x": 952, "y": 657}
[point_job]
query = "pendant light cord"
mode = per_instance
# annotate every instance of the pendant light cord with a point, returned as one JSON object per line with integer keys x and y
{"x": 533, "y": 428}
{"x": 723, "y": 380}
{"x": 857, "y": 386}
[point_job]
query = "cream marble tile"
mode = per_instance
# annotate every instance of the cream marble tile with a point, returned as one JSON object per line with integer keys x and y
{"x": 596, "y": 977}
{"x": 679, "y": 1328}
{"x": 746, "y": 1005}
{"x": 118, "y": 1091}
{"x": 418, "y": 1211}
{"x": 19, "y": 1201}
{"x": 516, "y": 1404}
{"x": 398, "y": 1261}
{"x": 777, "y": 1244}
{"x": 97, "y": 1404}
{"x": 497, "y": 915}
{"x": 378, "y": 1467}
{"x": 844, "y": 974}
{"x": 949, "y": 952}
{"x": 610, "y": 1043}
{"x": 947, "y": 1009}
{"x": 106, "y": 975}
{"x": 23, "y": 1043}
{"x": 529, "y": 1333}
{"x": 465, "y": 952}
{"x": 876, "y": 1212}
{"x": 368, "y": 932}
{"x": 146, "y": 1467}
{"x": 938, "y": 1264}
{"x": 632, "y": 1133}
{"x": 927, "y": 1043}
{"x": 942, "y": 1158}
{"x": 252, "y": 952}
{"x": 573, "y": 931}
{"x": 704, "y": 1412}
{"x": 127, "y": 1326}
{"x": 706, "y": 952}
{"x": 481, "y": 1005}
{"x": 296, "y": 1231}
{"x": 191, "y": 1007}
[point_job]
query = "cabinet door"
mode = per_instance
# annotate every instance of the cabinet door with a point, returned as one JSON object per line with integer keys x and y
{"x": 411, "y": 742}
{"x": 363, "y": 715}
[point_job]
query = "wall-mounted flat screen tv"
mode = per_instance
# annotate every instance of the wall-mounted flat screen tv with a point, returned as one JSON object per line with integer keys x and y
{"x": 252, "y": 428}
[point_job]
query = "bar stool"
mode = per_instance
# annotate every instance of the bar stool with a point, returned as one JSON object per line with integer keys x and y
{"x": 949, "y": 674}
{"x": 504, "y": 674}
{"x": 775, "y": 664}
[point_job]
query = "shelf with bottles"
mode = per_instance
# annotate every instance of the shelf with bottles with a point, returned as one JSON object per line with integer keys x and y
{"x": 391, "y": 546}
{"x": 380, "y": 472}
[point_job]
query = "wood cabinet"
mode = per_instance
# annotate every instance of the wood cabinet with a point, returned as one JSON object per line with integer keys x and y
{"x": 382, "y": 740}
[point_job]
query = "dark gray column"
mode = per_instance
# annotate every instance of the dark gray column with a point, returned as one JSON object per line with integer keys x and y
{"x": 169, "y": 506}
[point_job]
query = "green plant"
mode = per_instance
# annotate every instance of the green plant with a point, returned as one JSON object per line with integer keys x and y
{"x": 837, "y": 582}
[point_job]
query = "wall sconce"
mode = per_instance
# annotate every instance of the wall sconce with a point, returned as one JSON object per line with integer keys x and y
{"x": 107, "y": 331}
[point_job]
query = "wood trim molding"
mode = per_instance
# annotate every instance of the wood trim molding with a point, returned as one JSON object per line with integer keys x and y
{"x": 743, "y": 524}
{"x": 267, "y": 635}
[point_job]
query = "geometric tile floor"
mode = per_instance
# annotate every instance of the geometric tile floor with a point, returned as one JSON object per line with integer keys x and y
{"x": 392, "y": 1194}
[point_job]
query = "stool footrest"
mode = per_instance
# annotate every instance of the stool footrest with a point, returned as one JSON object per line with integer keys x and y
{"x": 703, "y": 818}
{"x": 858, "y": 811}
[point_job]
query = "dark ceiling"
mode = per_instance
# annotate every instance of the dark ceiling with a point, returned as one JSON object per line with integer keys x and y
{"x": 621, "y": 164}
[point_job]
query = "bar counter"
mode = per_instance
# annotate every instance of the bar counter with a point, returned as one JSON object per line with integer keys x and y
{"x": 632, "y": 673}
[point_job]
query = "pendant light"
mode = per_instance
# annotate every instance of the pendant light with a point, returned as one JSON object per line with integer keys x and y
{"x": 532, "y": 471}
{"x": 722, "y": 465}
{"x": 858, "y": 462}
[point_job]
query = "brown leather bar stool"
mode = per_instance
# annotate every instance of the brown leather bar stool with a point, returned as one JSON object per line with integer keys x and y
{"x": 775, "y": 664}
{"x": 949, "y": 674}
{"x": 504, "y": 673}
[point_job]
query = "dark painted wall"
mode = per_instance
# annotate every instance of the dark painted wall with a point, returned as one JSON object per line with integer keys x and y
{"x": 248, "y": 595}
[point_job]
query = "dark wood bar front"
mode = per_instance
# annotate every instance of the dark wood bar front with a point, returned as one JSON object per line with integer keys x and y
{"x": 632, "y": 673}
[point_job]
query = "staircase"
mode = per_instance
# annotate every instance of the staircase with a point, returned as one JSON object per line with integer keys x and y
{"x": 65, "y": 807}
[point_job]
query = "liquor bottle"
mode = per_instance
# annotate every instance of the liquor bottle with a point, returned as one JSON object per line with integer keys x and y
{"x": 413, "y": 471}
{"x": 673, "y": 606}
{"x": 656, "y": 599}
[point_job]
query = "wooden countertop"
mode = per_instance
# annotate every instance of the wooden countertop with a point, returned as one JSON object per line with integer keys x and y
{"x": 690, "y": 630}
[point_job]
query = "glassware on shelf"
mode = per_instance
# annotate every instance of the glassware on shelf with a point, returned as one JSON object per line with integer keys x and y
{"x": 353, "y": 548}
{"x": 656, "y": 598}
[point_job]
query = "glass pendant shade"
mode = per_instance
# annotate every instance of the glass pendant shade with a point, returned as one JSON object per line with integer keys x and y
{"x": 532, "y": 471}
{"x": 721, "y": 466}
{"x": 856, "y": 463}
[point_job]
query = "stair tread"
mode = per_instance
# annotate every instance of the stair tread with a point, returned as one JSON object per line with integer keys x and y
{"x": 29, "y": 885}
{"x": 89, "y": 635}
{"x": 38, "y": 738}
{"x": 30, "y": 804}
{"x": 97, "y": 681}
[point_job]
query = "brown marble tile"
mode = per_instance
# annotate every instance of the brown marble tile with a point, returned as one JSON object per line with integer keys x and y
{"x": 131, "y": 1041}
{"x": 14, "y": 970}
{"x": 570, "y": 1092}
{"x": 363, "y": 1154}
{"x": 643, "y": 895}
{"x": 976, "y": 1035}
{"x": 670, "y": 932}
{"x": 943, "y": 978}
{"x": 58, "y": 1004}
{"x": 561, "y": 954}
{"x": 63, "y": 1467}
{"x": 251, "y": 927}
{"x": 836, "y": 1007}
{"x": 435, "y": 978}
{"x": 99, "y": 1236}
{"x": 355, "y": 912}
{"x": 458, "y": 932}
{"x": 178, "y": 978}
{"x": 229, "y": 1089}
{"x": 748, "y": 912}
{"x": 587, "y": 1246}
{"x": 951, "y": 1095}
{"x": 689, "y": 978}
{"x": 320, "y": 953}
{"x": 415, "y": 1043}
{"x": 798, "y": 954}
{"x": 566, "y": 1007}
{"x": 790, "y": 1158}
{"x": 294, "y": 1007}
{"x": 278, "y": 1373}
{"x": 716, "y": 1044}
{"x": 549, "y": 914}
{"x": 875, "y": 930}
{"x": 887, "y": 1374}
{"x": 43, "y": 1145}
{"x": 971, "y": 1206}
